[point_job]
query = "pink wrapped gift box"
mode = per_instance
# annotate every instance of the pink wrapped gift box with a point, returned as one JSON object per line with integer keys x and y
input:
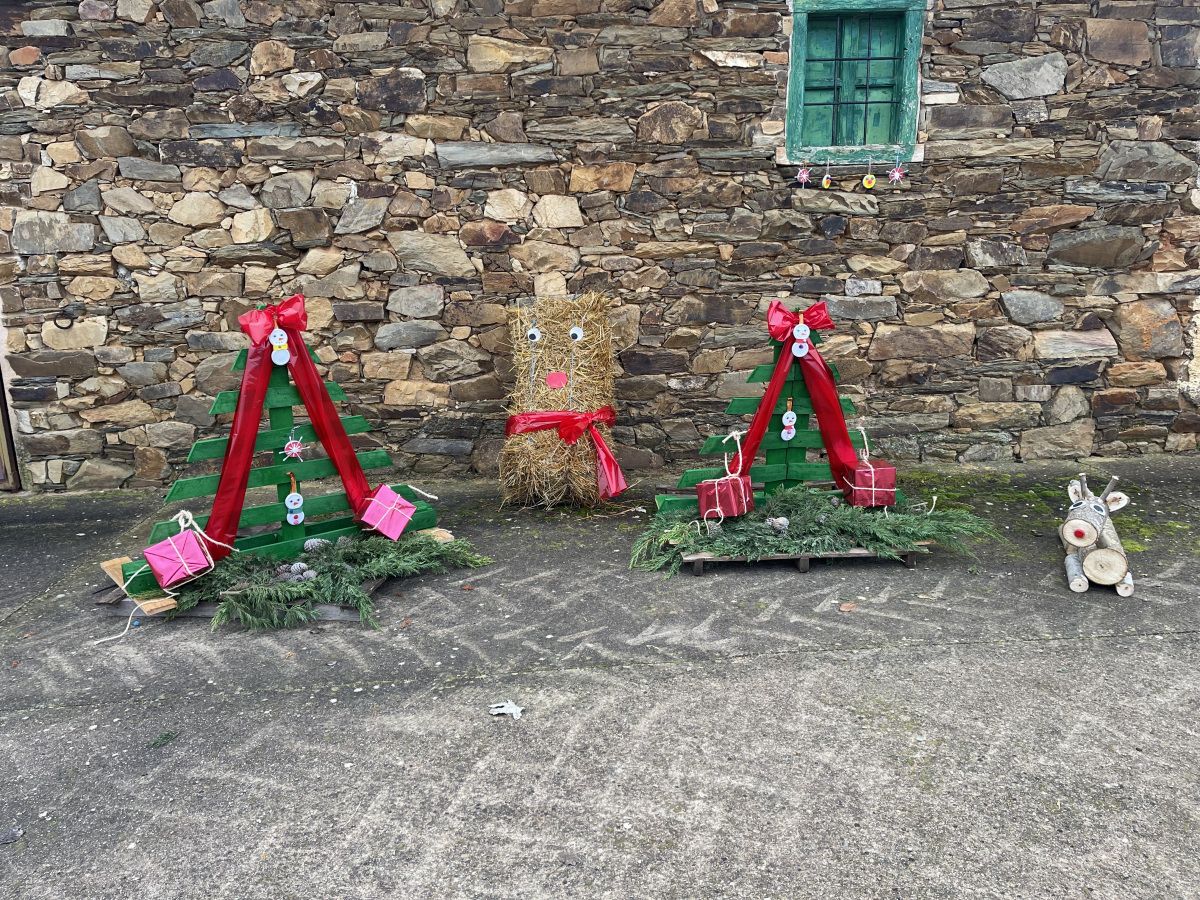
{"x": 874, "y": 484}
{"x": 727, "y": 497}
{"x": 387, "y": 512}
{"x": 179, "y": 558}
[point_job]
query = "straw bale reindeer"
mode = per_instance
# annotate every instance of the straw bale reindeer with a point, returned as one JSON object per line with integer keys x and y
{"x": 1094, "y": 551}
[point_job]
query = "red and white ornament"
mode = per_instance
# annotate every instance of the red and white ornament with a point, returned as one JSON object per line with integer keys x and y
{"x": 294, "y": 448}
{"x": 896, "y": 173}
{"x": 804, "y": 175}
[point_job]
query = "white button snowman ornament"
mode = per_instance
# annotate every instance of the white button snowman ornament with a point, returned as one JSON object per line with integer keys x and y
{"x": 280, "y": 354}
{"x": 801, "y": 333}
{"x": 294, "y": 501}
{"x": 789, "y": 422}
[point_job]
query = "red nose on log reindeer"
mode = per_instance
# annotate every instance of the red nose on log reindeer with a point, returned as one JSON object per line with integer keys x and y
{"x": 1094, "y": 551}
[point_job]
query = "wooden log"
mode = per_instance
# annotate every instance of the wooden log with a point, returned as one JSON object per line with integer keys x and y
{"x": 1125, "y": 585}
{"x": 1076, "y": 580}
{"x": 1083, "y": 525}
{"x": 1105, "y": 562}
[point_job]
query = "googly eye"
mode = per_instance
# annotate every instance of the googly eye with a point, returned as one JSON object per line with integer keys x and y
{"x": 1099, "y": 507}
{"x": 1077, "y": 504}
{"x": 576, "y": 334}
{"x": 534, "y": 334}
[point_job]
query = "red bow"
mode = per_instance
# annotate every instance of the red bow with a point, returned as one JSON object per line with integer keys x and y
{"x": 781, "y": 320}
{"x": 289, "y": 313}
{"x": 571, "y": 427}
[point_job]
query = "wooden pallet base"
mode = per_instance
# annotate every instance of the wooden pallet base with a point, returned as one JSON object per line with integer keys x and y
{"x": 699, "y": 561}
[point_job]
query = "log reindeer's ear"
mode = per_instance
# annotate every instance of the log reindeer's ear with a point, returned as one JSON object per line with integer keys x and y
{"x": 1115, "y": 501}
{"x": 1075, "y": 491}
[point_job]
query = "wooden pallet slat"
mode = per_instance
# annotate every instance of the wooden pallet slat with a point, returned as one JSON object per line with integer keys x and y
{"x": 272, "y": 439}
{"x": 278, "y": 395}
{"x": 264, "y": 476}
{"x": 697, "y": 562}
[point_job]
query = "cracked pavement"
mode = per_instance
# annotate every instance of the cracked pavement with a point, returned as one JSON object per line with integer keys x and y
{"x": 969, "y": 728}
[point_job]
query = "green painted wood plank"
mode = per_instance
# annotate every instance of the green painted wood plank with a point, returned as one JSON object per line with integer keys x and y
{"x": 684, "y": 503}
{"x": 263, "y": 476}
{"x": 745, "y": 406}
{"x": 772, "y": 441}
{"x": 758, "y": 475}
{"x": 239, "y": 364}
{"x": 226, "y": 401}
{"x": 314, "y": 507}
{"x": 274, "y": 439}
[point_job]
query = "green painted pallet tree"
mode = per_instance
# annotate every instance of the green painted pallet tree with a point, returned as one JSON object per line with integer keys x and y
{"x": 787, "y": 462}
{"x": 327, "y": 516}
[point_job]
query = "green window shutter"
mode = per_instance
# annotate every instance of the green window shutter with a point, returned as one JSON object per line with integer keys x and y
{"x": 850, "y": 80}
{"x": 853, "y": 88}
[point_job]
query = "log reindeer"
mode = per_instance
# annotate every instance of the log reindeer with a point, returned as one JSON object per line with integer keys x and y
{"x": 1094, "y": 551}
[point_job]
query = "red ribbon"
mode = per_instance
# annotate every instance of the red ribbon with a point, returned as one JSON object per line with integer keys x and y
{"x": 227, "y": 506}
{"x": 822, "y": 390}
{"x": 571, "y": 427}
{"x": 289, "y": 313}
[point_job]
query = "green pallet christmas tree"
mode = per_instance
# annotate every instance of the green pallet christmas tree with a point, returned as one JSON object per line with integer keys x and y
{"x": 787, "y": 462}
{"x": 327, "y": 516}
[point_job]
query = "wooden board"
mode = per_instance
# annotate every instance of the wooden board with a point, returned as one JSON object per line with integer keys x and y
{"x": 802, "y": 561}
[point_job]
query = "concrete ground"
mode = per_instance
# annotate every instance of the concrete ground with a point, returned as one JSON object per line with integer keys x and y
{"x": 966, "y": 729}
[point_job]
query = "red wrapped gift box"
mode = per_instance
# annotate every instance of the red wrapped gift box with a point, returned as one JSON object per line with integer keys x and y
{"x": 722, "y": 498}
{"x": 874, "y": 483}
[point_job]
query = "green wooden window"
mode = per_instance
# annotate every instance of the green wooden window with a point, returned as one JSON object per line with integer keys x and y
{"x": 852, "y": 89}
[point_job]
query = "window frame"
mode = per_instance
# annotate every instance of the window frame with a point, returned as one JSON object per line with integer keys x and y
{"x": 908, "y": 84}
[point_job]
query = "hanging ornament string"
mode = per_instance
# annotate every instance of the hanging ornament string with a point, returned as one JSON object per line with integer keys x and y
{"x": 827, "y": 181}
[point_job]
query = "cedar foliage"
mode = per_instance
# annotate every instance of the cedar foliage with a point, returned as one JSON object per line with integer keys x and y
{"x": 248, "y": 589}
{"x": 818, "y": 522}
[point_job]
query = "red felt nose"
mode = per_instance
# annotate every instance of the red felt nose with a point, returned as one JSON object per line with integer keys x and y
{"x": 1079, "y": 532}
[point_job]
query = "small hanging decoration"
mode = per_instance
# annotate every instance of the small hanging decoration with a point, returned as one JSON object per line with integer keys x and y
{"x": 896, "y": 173}
{"x": 800, "y": 347}
{"x": 827, "y": 181}
{"x": 294, "y": 501}
{"x": 868, "y": 180}
{"x": 293, "y": 449}
{"x": 789, "y": 422}
{"x": 280, "y": 354}
{"x": 804, "y": 176}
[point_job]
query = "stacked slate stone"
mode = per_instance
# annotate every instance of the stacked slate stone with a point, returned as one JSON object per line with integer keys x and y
{"x": 414, "y": 168}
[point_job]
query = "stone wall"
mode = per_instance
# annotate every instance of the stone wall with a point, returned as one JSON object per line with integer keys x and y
{"x": 415, "y": 167}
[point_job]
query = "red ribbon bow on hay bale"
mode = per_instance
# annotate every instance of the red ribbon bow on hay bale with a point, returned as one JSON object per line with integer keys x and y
{"x": 571, "y": 427}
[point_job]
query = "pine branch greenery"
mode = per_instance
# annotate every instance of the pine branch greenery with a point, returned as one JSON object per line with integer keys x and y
{"x": 817, "y": 523}
{"x": 250, "y": 591}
